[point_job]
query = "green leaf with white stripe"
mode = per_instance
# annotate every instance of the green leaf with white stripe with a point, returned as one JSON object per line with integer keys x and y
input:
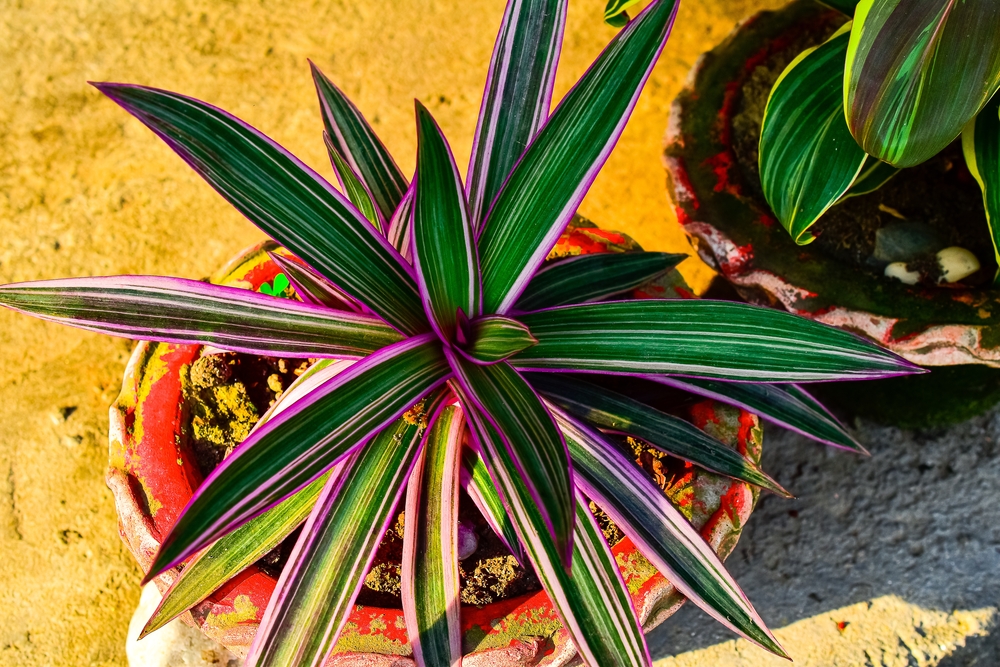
{"x": 352, "y": 186}
{"x": 530, "y": 435}
{"x": 672, "y": 435}
{"x": 808, "y": 158}
{"x": 661, "y": 533}
{"x": 400, "y": 232}
{"x": 584, "y": 613}
{"x": 290, "y": 202}
{"x": 311, "y": 286}
{"x": 494, "y": 338}
{"x": 481, "y": 489}
{"x": 517, "y": 97}
{"x": 700, "y": 338}
{"x": 981, "y": 145}
{"x": 361, "y": 148}
{"x": 594, "y": 277}
{"x": 615, "y": 14}
{"x": 785, "y": 405}
{"x": 444, "y": 246}
{"x": 874, "y": 174}
{"x": 917, "y": 72}
{"x": 430, "y": 581}
{"x": 315, "y": 595}
{"x": 549, "y": 182}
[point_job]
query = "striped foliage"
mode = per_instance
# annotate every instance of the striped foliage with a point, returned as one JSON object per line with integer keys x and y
{"x": 981, "y": 146}
{"x": 494, "y": 338}
{"x": 352, "y": 186}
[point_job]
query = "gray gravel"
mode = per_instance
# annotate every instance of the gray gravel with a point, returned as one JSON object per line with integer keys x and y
{"x": 920, "y": 519}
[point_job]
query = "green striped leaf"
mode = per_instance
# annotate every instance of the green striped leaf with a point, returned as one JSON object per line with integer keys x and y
{"x": 785, "y": 405}
{"x": 711, "y": 339}
{"x": 584, "y": 614}
{"x": 661, "y": 532}
{"x": 300, "y": 444}
{"x": 672, "y": 435}
{"x": 481, "y": 489}
{"x": 808, "y": 158}
{"x": 357, "y": 142}
{"x": 177, "y": 310}
{"x": 874, "y": 174}
{"x": 430, "y": 580}
{"x": 549, "y": 182}
{"x": 444, "y": 248}
{"x": 517, "y": 96}
{"x": 282, "y": 196}
{"x": 594, "y": 277}
{"x": 614, "y": 12}
{"x": 326, "y": 570}
{"x": 311, "y": 286}
{"x": 352, "y": 185}
{"x": 400, "y": 226}
{"x": 494, "y": 338}
{"x": 981, "y": 145}
{"x": 917, "y": 72}
{"x": 530, "y": 436}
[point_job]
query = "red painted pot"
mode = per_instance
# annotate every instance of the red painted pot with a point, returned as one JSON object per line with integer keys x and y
{"x": 152, "y": 475}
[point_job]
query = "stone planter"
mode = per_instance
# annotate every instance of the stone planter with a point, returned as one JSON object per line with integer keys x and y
{"x": 152, "y": 475}
{"x": 721, "y": 208}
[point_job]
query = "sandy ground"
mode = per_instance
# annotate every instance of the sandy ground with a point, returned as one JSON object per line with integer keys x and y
{"x": 85, "y": 190}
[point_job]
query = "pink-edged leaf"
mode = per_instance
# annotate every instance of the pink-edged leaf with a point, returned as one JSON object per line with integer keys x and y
{"x": 430, "y": 581}
{"x": 177, "y": 310}
{"x": 315, "y": 595}
{"x": 583, "y": 613}
{"x": 289, "y": 201}
{"x": 479, "y": 485}
{"x": 312, "y": 287}
{"x": 517, "y": 96}
{"x": 550, "y": 180}
{"x": 352, "y": 186}
{"x": 301, "y": 443}
{"x": 400, "y": 232}
{"x": 444, "y": 250}
{"x": 663, "y": 535}
{"x": 362, "y": 150}
{"x": 494, "y": 338}
{"x": 530, "y": 437}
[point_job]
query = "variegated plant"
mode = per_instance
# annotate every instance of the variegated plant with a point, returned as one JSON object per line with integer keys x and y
{"x": 889, "y": 90}
{"x": 426, "y": 303}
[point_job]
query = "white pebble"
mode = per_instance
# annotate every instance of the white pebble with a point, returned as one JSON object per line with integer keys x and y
{"x": 956, "y": 263}
{"x": 898, "y": 271}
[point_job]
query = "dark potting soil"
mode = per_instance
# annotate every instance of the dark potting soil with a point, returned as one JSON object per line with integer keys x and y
{"x": 940, "y": 195}
{"x": 226, "y": 394}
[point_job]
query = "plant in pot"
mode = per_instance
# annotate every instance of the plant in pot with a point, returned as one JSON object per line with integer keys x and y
{"x": 407, "y": 347}
{"x": 847, "y": 170}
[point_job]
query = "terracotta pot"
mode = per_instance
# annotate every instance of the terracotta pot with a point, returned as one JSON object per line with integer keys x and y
{"x": 152, "y": 475}
{"x": 736, "y": 233}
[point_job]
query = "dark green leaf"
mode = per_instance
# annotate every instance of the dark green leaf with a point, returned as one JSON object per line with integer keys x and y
{"x": 494, "y": 338}
{"x": 842, "y": 6}
{"x": 700, "y": 338}
{"x": 981, "y": 145}
{"x": 874, "y": 174}
{"x": 808, "y": 158}
{"x": 593, "y": 277}
{"x": 352, "y": 186}
{"x": 917, "y": 72}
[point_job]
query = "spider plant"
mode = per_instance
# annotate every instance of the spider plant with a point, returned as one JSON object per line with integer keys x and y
{"x": 427, "y": 302}
{"x": 889, "y": 90}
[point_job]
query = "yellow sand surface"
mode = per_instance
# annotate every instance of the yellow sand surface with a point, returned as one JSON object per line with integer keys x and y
{"x": 86, "y": 190}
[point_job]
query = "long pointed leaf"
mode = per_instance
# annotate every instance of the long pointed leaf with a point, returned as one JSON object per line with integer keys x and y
{"x": 495, "y": 338}
{"x": 400, "y": 232}
{"x": 444, "y": 250}
{"x": 356, "y": 141}
{"x": 582, "y": 616}
{"x": 176, "y": 310}
{"x": 874, "y": 174}
{"x": 613, "y": 411}
{"x": 532, "y": 439}
{"x": 808, "y": 158}
{"x": 517, "y": 96}
{"x": 282, "y": 196}
{"x": 301, "y": 443}
{"x": 662, "y": 533}
{"x": 785, "y": 405}
{"x": 430, "y": 581}
{"x": 313, "y": 287}
{"x": 479, "y": 485}
{"x": 700, "y": 338}
{"x": 352, "y": 186}
{"x": 593, "y": 277}
{"x": 981, "y": 146}
{"x": 555, "y": 172}
{"x": 326, "y": 570}
{"x": 917, "y": 72}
